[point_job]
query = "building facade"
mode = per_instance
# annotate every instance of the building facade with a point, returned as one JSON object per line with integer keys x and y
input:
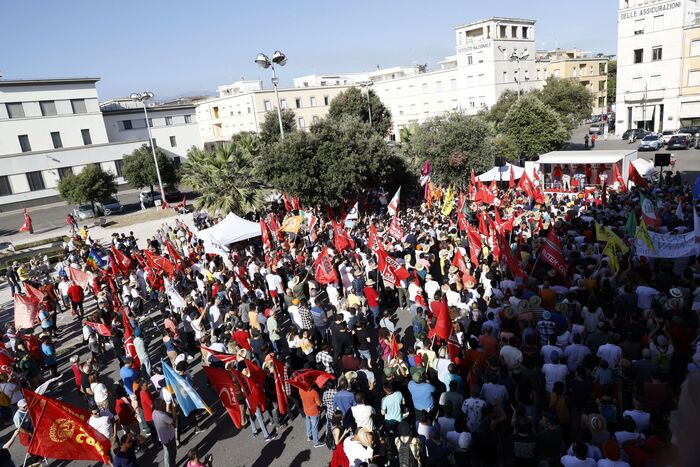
{"x": 330, "y": 79}
{"x": 173, "y": 125}
{"x": 51, "y": 128}
{"x": 656, "y": 78}
{"x": 589, "y": 69}
{"x": 244, "y": 109}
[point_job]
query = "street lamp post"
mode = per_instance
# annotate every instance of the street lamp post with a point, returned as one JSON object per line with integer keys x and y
{"x": 517, "y": 58}
{"x": 367, "y": 85}
{"x": 143, "y": 97}
{"x": 278, "y": 58}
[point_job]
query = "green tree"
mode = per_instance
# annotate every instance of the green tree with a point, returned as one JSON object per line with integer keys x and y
{"x": 270, "y": 128}
{"x": 612, "y": 81}
{"x": 140, "y": 171}
{"x": 455, "y": 144}
{"x": 353, "y": 102}
{"x": 90, "y": 186}
{"x": 225, "y": 178}
{"x": 497, "y": 113}
{"x": 247, "y": 142}
{"x": 334, "y": 161}
{"x": 534, "y": 128}
{"x": 569, "y": 98}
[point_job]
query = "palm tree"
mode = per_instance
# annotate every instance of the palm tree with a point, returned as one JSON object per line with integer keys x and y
{"x": 225, "y": 179}
{"x": 247, "y": 143}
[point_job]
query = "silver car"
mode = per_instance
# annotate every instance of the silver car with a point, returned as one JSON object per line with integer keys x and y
{"x": 111, "y": 206}
{"x": 84, "y": 211}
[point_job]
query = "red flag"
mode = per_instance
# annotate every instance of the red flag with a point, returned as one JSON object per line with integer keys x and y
{"x": 511, "y": 182}
{"x": 159, "y": 263}
{"x": 453, "y": 349}
{"x": 526, "y": 185}
{"x": 33, "y": 345}
{"x": 265, "y": 234}
{"x": 224, "y": 357}
{"x": 324, "y": 271}
{"x": 474, "y": 244}
{"x": 373, "y": 243}
{"x": 122, "y": 259}
{"x": 242, "y": 278}
{"x": 251, "y": 393}
{"x": 183, "y": 203}
{"x": 618, "y": 177}
{"x": 473, "y": 178}
{"x": 305, "y": 379}
{"x": 392, "y": 271}
{"x": 552, "y": 254}
{"x": 459, "y": 262}
{"x": 129, "y": 347}
{"x": 116, "y": 267}
{"x": 295, "y": 202}
{"x": 443, "y": 324}
{"x": 34, "y": 292}
{"x": 100, "y": 328}
{"x": 62, "y": 431}
{"x": 27, "y": 226}
{"x": 341, "y": 239}
{"x": 227, "y": 391}
{"x": 82, "y": 278}
{"x": 635, "y": 177}
{"x": 493, "y": 188}
{"x": 394, "y": 346}
{"x": 395, "y": 229}
{"x": 165, "y": 205}
{"x": 6, "y": 363}
{"x": 174, "y": 255}
{"x": 287, "y": 202}
{"x": 509, "y": 258}
{"x": 26, "y": 311}
{"x": 461, "y": 221}
{"x": 483, "y": 228}
{"x": 278, "y": 373}
{"x": 257, "y": 378}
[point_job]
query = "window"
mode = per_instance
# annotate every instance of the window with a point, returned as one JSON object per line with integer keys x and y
{"x": 524, "y": 32}
{"x": 312, "y": 100}
{"x": 326, "y": 100}
{"x": 514, "y": 32}
{"x": 426, "y": 107}
{"x": 639, "y": 26}
{"x": 501, "y": 32}
{"x": 556, "y": 73}
{"x": 24, "y": 143}
{"x": 537, "y": 74}
{"x": 314, "y": 119}
{"x": 655, "y": 53}
{"x": 301, "y": 122}
{"x": 480, "y": 80}
{"x": 470, "y": 59}
{"x": 119, "y": 165}
{"x": 505, "y": 76}
{"x": 87, "y": 139}
{"x": 283, "y": 103}
{"x": 695, "y": 48}
{"x": 655, "y": 82}
{"x": 638, "y": 55}
{"x": 5, "y": 188}
{"x": 127, "y": 124}
{"x": 401, "y": 110}
{"x": 323, "y": 83}
{"x": 78, "y": 106}
{"x": 173, "y": 142}
{"x": 56, "y": 138}
{"x": 155, "y": 145}
{"x": 35, "y": 180}
{"x": 48, "y": 108}
{"x": 64, "y": 172}
{"x": 15, "y": 110}
{"x": 637, "y": 84}
{"x": 601, "y": 85}
{"x": 177, "y": 162}
{"x": 480, "y": 56}
{"x": 267, "y": 105}
{"x": 215, "y": 112}
{"x": 694, "y": 78}
{"x": 297, "y": 102}
{"x": 150, "y": 122}
{"x": 601, "y": 102}
{"x": 168, "y": 121}
{"x": 658, "y": 23}
{"x": 188, "y": 118}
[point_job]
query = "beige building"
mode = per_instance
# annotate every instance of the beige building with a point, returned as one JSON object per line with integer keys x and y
{"x": 242, "y": 106}
{"x": 690, "y": 75}
{"x": 590, "y": 69}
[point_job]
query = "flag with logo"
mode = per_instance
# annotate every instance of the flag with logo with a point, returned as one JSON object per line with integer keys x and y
{"x": 618, "y": 178}
{"x": 551, "y": 253}
{"x": 474, "y": 244}
{"x": 187, "y": 397}
{"x": 643, "y": 235}
{"x": 129, "y": 347}
{"x": 448, "y": 201}
{"x": 373, "y": 242}
{"x": 291, "y": 225}
{"x": 354, "y": 212}
{"x": 229, "y": 394}
{"x": 610, "y": 251}
{"x": 395, "y": 229}
{"x": 26, "y": 311}
{"x": 100, "y": 328}
{"x": 649, "y": 213}
{"x": 324, "y": 272}
{"x": 341, "y": 239}
{"x": 174, "y": 296}
{"x": 159, "y": 263}
{"x": 62, "y": 431}
{"x": 393, "y": 206}
{"x": 123, "y": 260}
{"x": 391, "y": 270}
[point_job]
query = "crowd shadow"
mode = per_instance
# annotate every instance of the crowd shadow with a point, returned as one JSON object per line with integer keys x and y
{"x": 273, "y": 449}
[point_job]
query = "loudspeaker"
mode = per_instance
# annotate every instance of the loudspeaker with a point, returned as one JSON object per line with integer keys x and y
{"x": 500, "y": 161}
{"x": 662, "y": 160}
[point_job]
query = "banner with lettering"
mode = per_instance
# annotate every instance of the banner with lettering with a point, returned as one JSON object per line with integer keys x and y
{"x": 668, "y": 246}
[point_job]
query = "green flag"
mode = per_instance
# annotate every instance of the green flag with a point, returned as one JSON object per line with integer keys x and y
{"x": 631, "y": 226}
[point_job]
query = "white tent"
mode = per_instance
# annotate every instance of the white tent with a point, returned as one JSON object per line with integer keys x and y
{"x": 231, "y": 229}
{"x": 644, "y": 168}
{"x": 501, "y": 174}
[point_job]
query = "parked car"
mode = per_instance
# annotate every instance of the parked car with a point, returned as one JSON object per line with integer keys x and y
{"x": 595, "y": 129}
{"x": 650, "y": 142}
{"x": 678, "y": 142}
{"x": 639, "y": 133}
{"x": 172, "y": 194}
{"x": 690, "y": 130}
{"x": 666, "y": 135}
{"x": 111, "y": 206}
{"x": 84, "y": 211}
{"x": 149, "y": 198}
{"x": 593, "y": 119}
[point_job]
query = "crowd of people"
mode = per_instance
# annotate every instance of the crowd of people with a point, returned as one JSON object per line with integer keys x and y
{"x": 592, "y": 365}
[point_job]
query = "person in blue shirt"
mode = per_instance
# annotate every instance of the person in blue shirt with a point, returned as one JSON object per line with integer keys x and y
{"x": 421, "y": 392}
{"x": 343, "y": 399}
{"x": 128, "y": 375}
{"x": 49, "y": 352}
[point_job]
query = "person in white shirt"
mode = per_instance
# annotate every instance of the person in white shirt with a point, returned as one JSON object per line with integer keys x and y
{"x": 645, "y": 296}
{"x": 579, "y": 458}
{"x": 358, "y": 449}
{"x": 431, "y": 286}
{"x": 103, "y": 421}
{"x": 274, "y": 285}
{"x": 554, "y": 372}
{"x": 641, "y": 418}
{"x": 165, "y": 428}
{"x": 576, "y": 353}
{"x": 511, "y": 355}
{"x": 611, "y": 353}
{"x": 362, "y": 412}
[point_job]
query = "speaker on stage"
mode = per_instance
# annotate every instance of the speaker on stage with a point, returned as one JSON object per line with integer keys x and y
{"x": 662, "y": 159}
{"x": 500, "y": 161}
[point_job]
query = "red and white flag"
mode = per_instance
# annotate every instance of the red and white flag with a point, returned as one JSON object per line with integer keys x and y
{"x": 341, "y": 239}
{"x": 635, "y": 177}
{"x": 27, "y": 226}
{"x": 228, "y": 392}
{"x": 373, "y": 242}
{"x": 159, "y": 263}
{"x": 393, "y": 207}
{"x": 391, "y": 270}
{"x": 265, "y": 234}
{"x": 129, "y": 347}
{"x": 618, "y": 178}
{"x": 26, "y": 311}
{"x": 395, "y": 229}
{"x": 551, "y": 253}
{"x": 100, "y": 328}
{"x": 82, "y": 278}
{"x": 324, "y": 272}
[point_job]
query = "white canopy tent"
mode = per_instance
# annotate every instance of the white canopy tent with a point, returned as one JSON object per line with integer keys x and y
{"x": 231, "y": 229}
{"x": 644, "y": 168}
{"x": 501, "y": 174}
{"x": 575, "y": 160}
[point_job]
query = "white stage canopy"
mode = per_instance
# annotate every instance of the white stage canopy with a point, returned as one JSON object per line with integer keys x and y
{"x": 501, "y": 174}
{"x": 231, "y": 229}
{"x": 623, "y": 157}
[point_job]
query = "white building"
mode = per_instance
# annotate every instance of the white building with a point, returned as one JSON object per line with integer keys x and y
{"x": 173, "y": 125}
{"x": 330, "y": 79}
{"x": 50, "y": 128}
{"x": 651, "y": 75}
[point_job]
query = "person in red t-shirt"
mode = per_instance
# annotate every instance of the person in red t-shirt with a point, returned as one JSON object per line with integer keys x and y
{"x": 76, "y": 295}
{"x": 372, "y": 298}
{"x": 125, "y": 412}
{"x": 146, "y": 399}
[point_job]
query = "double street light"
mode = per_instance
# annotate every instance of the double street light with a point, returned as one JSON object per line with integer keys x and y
{"x": 367, "y": 85}
{"x": 518, "y": 58}
{"x": 143, "y": 97}
{"x": 278, "y": 58}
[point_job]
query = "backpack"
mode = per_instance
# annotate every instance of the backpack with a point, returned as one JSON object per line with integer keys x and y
{"x": 406, "y": 458}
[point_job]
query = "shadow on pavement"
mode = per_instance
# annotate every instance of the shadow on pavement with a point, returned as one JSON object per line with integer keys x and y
{"x": 273, "y": 449}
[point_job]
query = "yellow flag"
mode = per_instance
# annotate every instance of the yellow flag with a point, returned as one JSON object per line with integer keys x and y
{"x": 643, "y": 235}
{"x": 448, "y": 201}
{"x": 619, "y": 244}
{"x": 610, "y": 251}
{"x": 600, "y": 234}
{"x": 291, "y": 224}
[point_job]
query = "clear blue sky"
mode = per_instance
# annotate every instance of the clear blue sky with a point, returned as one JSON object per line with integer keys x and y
{"x": 176, "y": 46}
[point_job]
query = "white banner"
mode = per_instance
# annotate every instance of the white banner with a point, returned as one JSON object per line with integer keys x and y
{"x": 668, "y": 246}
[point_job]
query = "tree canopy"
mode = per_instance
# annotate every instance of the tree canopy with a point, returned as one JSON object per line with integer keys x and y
{"x": 569, "y": 98}
{"x": 270, "y": 127}
{"x": 140, "y": 171}
{"x": 455, "y": 144}
{"x": 353, "y": 102}
{"x": 612, "y": 81}
{"x": 90, "y": 186}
